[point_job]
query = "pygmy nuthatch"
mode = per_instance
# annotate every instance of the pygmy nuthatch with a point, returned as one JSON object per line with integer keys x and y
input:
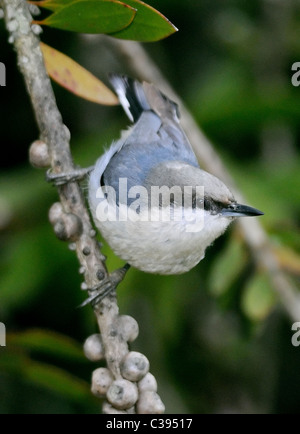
{"x": 149, "y": 198}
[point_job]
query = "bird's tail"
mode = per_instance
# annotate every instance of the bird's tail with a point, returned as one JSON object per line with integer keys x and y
{"x": 136, "y": 97}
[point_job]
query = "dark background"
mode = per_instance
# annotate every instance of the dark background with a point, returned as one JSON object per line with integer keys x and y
{"x": 217, "y": 338}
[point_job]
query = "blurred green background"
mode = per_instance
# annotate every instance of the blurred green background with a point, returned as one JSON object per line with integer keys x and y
{"x": 217, "y": 338}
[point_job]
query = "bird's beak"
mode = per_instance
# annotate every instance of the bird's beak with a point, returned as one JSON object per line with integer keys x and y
{"x": 238, "y": 210}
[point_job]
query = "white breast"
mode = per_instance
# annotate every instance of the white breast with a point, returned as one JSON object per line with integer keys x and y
{"x": 162, "y": 247}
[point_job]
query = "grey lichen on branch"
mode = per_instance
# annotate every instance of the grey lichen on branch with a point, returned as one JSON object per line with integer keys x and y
{"x": 53, "y": 132}
{"x": 70, "y": 217}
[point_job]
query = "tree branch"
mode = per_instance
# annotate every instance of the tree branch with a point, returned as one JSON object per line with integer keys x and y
{"x": 71, "y": 210}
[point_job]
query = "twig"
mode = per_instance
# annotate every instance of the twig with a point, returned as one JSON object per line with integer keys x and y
{"x": 255, "y": 236}
{"x": 72, "y": 207}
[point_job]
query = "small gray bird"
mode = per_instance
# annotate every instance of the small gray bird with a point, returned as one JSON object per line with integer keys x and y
{"x": 149, "y": 198}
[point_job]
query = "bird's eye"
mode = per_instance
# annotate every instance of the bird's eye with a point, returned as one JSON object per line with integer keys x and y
{"x": 207, "y": 204}
{"x": 197, "y": 203}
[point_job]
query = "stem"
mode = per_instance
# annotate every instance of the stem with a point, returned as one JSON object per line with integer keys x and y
{"x": 56, "y": 135}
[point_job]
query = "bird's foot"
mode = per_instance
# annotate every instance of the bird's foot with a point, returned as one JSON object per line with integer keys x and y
{"x": 65, "y": 177}
{"x": 106, "y": 287}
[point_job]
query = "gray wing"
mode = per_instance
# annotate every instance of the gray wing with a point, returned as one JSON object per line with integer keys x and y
{"x": 155, "y": 137}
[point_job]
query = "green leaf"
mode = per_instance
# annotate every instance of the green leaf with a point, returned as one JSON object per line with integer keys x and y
{"x": 259, "y": 297}
{"x": 49, "y": 343}
{"x": 149, "y": 25}
{"x": 45, "y": 376}
{"x": 91, "y": 16}
{"x": 58, "y": 381}
{"x": 21, "y": 287}
{"x": 52, "y": 5}
{"x": 227, "y": 267}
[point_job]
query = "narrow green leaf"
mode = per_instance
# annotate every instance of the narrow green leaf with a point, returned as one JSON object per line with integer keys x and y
{"x": 19, "y": 288}
{"x": 52, "y": 5}
{"x": 149, "y": 25}
{"x": 91, "y": 16}
{"x": 259, "y": 297}
{"x": 13, "y": 361}
{"x": 46, "y": 376}
{"x": 58, "y": 381}
{"x": 227, "y": 267}
{"x": 48, "y": 342}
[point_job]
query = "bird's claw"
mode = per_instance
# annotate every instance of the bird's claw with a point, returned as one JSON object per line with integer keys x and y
{"x": 106, "y": 287}
{"x": 59, "y": 179}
